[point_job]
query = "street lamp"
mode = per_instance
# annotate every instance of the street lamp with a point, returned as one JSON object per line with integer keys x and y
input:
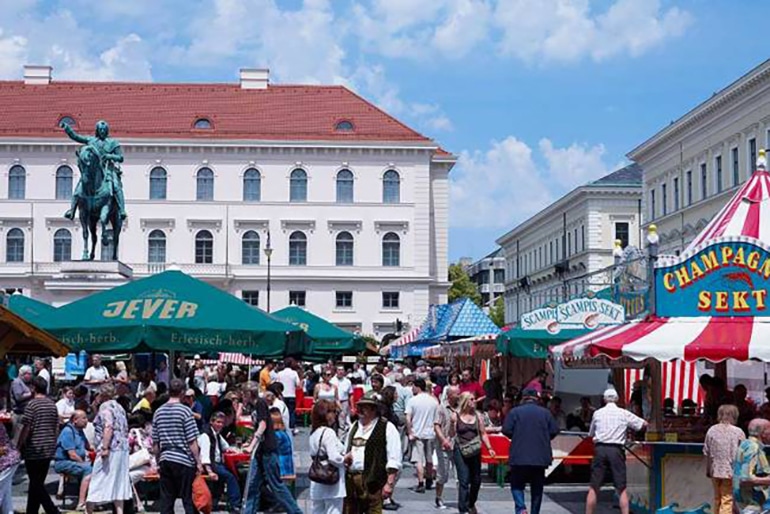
{"x": 268, "y": 254}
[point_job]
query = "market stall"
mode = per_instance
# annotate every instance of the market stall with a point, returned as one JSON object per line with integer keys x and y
{"x": 709, "y": 304}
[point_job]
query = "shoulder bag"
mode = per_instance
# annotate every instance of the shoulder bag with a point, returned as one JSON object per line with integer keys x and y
{"x": 470, "y": 448}
{"x": 321, "y": 470}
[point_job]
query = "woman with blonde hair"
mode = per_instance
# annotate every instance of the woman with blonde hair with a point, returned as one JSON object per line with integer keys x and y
{"x": 470, "y": 435}
{"x": 720, "y": 446}
{"x": 326, "y": 446}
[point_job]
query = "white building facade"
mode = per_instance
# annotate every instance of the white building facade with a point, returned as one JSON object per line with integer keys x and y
{"x": 488, "y": 273}
{"x": 551, "y": 257}
{"x": 353, "y": 203}
{"x": 693, "y": 166}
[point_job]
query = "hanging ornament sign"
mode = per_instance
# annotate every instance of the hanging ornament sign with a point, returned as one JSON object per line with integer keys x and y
{"x": 579, "y": 313}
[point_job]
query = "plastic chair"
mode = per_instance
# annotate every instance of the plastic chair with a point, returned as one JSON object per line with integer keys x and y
{"x": 502, "y": 446}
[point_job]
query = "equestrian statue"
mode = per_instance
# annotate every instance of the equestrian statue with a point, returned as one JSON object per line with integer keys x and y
{"x": 99, "y": 194}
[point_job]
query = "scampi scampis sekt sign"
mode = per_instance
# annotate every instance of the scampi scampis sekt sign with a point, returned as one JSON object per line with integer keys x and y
{"x": 724, "y": 278}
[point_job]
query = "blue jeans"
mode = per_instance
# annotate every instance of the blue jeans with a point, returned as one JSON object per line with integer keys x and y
{"x": 264, "y": 471}
{"x": 226, "y": 478}
{"x": 520, "y": 477}
{"x": 291, "y": 404}
{"x": 469, "y": 480}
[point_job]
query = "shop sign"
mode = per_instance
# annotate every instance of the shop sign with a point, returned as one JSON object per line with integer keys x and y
{"x": 635, "y": 303}
{"x": 728, "y": 278}
{"x": 580, "y": 313}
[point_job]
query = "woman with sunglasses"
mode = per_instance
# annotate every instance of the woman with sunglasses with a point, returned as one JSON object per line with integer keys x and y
{"x": 325, "y": 390}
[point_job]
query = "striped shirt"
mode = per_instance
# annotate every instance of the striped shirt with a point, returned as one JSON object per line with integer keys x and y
{"x": 174, "y": 429}
{"x": 42, "y": 419}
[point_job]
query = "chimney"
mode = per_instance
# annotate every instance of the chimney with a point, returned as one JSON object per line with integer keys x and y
{"x": 254, "y": 78}
{"x": 37, "y": 75}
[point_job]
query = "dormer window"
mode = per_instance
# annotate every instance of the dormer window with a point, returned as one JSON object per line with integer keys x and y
{"x": 202, "y": 124}
{"x": 344, "y": 126}
{"x": 67, "y": 120}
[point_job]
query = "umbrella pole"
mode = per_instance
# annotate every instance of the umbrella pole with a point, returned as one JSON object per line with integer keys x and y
{"x": 172, "y": 364}
{"x": 655, "y": 368}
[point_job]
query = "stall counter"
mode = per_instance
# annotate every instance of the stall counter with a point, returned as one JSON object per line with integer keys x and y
{"x": 664, "y": 473}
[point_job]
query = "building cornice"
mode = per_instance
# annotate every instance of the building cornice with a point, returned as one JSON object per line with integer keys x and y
{"x": 695, "y": 116}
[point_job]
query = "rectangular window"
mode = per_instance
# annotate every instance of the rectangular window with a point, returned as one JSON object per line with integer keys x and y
{"x": 250, "y": 297}
{"x": 664, "y": 198}
{"x": 689, "y": 187}
{"x": 390, "y": 300}
{"x": 622, "y": 233}
{"x": 676, "y": 193}
{"x": 574, "y": 238}
{"x": 752, "y": 157}
{"x": 297, "y": 298}
{"x": 704, "y": 184}
{"x": 652, "y": 204}
{"x": 550, "y": 252}
{"x": 344, "y": 299}
{"x": 718, "y": 166}
{"x": 736, "y": 170}
{"x": 569, "y": 243}
{"x": 499, "y": 276}
{"x": 583, "y": 237}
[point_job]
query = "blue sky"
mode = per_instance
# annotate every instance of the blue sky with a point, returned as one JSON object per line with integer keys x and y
{"x": 535, "y": 96}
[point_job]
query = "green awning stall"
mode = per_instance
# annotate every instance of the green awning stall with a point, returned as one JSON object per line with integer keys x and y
{"x": 171, "y": 311}
{"x": 326, "y": 339}
{"x": 533, "y": 344}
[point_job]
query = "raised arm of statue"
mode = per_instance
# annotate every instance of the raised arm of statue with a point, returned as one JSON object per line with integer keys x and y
{"x": 74, "y": 135}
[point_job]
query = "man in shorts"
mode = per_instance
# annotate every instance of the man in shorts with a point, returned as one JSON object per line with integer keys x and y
{"x": 420, "y": 419}
{"x": 608, "y": 429}
{"x": 445, "y": 442}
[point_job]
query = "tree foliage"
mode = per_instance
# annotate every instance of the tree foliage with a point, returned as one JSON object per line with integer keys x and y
{"x": 497, "y": 312}
{"x": 462, "y": 285}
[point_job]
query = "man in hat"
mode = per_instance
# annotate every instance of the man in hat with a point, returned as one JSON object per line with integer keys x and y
{"x": 530, "y": 427}
{"x": 373, "y": 458}
{"x": 609, "y": 426}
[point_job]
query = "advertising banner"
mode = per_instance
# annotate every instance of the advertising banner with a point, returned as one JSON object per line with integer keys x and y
{"x": 579, "y": 313}
{"x": 726, "y": 278}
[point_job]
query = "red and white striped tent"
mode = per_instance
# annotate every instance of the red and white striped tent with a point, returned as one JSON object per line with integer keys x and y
{"x": 679, "y": 379}
{"x": 745, "y": 218}
{"x": 401, "y": 341}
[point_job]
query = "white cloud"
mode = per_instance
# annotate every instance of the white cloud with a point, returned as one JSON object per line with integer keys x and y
{"x": 13, "y": 54}
{"x": 568, "y": 30}
{"x": 127, "y": 60}
{"x": 509, "y": 182}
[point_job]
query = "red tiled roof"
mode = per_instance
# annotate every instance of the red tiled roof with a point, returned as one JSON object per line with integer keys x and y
{"x": 150, "y": 110}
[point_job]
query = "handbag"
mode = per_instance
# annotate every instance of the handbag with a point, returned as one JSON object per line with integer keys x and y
{"x": 139, "y": 458}
{"x": 321, "y": 470}
{"x": 470, "y": 448}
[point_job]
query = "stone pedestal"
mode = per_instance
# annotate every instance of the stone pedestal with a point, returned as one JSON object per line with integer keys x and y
{"x": 88, "y": 276}
{"x": 96, "y": 269}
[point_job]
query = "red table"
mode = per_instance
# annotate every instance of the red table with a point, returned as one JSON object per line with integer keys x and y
{"x": 233, "y": 458}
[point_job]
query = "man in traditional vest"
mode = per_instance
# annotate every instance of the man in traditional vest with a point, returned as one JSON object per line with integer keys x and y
{"x": 373, "y": 458}
{"x": 213, "y": 447}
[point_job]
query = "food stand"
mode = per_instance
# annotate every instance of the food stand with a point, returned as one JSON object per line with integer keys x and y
{"x": 709, "y": 304}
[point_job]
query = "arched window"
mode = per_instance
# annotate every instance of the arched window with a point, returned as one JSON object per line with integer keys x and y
{"x": 17, "y": 182}
{"x": 14, "y": 245}
{"x": 108, "y": 248}
{"x": 156, "y": 247}
{"x": 67, "y": 120}
{"x": 391, "y": 250}
{"x": 297, "y": 249}
{"x": 204, "y": 247}
{"x": 344, "y": 126}
{"x": 250, "y": 248}
{"x": 64, "y": 183}
{"x": 205, "y": 181}
{"x": 62, "y": 245}
{"x": 158, "y": 178}
{"x": 298, "y": 186}
{"x": 202, "y": 124}
{"x": 252, "y": 186}
{"x": 344, "y": 186}
{"x": 344, "y": 249}
{"x": 391, "y": 187}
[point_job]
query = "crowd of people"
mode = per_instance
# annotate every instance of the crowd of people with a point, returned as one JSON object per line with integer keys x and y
{"x": 116, "y": 429}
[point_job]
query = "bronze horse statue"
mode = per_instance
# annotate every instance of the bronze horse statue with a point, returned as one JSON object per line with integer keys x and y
{"x": 97, "y": 203}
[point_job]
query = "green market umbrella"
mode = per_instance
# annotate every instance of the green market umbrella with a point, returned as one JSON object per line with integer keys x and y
{"x": 533, "y": 344}
{"x": 326, "y": 339}
{"x": 171, "y": 311}
{"x": 28, "y": 308}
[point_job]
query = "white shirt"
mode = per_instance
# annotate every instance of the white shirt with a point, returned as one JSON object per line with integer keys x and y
{"x": 140, "y": 389}
{"x": 344, "y": 388}
{"x": 213, "y": 389}
{"x": 47, "y": 376}
{"x": 290, "y": 380}
{"x": 281, "y": 406}
{"x": 610, "y": 424}
{"x": 65, "y": 408}
{"x": 358, "y": 445}
{"x": 421, "y": 410}
{"x": 335, "y": 452}
{"x": 99, "y": 374}
{"x": 205, "y": 446}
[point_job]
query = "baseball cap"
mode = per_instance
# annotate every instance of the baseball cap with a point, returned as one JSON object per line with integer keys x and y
{"x": 197, "y": 357}
{"x": 610, "y": 395}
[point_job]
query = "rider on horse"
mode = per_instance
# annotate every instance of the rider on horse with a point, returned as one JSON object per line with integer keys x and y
{"x": 109, "y": 154}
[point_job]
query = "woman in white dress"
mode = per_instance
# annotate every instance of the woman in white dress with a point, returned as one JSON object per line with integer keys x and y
{"x": 66, "y": 406}
{"x": 110, "y": 482}
{"x": 327, "y": 498}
